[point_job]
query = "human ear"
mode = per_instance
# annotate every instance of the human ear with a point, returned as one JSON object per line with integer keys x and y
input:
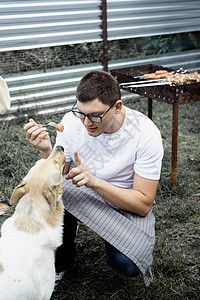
{"x": 118, "y": 106}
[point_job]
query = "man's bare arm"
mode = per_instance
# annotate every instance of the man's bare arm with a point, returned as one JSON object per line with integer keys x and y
{"x": 138, "y": 200}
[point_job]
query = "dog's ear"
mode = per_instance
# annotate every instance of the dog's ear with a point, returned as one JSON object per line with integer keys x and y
{"x": 4, "y": 205}
{"x": 18, "y": 193}
{"x": 53, "y": 195}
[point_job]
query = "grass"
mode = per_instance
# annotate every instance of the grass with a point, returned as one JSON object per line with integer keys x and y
{"x": 176, "y": 253}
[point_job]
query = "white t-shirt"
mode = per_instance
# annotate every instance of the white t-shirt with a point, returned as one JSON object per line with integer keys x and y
{"x": 135, "y": 147}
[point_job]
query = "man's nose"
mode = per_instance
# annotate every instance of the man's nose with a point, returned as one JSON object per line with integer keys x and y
{"x": 87, "y": 121}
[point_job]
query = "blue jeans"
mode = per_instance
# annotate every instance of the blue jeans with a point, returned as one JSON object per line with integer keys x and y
{"x": 120, "y": 262}
{"x": 65, "y": 254}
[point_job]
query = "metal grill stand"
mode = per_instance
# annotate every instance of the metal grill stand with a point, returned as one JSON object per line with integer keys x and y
{"x": 175, "y": 95}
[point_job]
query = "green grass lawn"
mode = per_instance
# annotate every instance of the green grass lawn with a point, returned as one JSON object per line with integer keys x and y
{"x": 176, "y": 254}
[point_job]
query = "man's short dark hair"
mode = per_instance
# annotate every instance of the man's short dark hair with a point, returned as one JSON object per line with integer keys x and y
{"x": 98, "y": 84}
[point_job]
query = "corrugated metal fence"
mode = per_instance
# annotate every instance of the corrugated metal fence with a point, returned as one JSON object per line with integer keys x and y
{"x": 37, "y": 23}
{"x": 130, "y": 19}
{"x": 32, "y": 24}
{"x": 53, "y": 91}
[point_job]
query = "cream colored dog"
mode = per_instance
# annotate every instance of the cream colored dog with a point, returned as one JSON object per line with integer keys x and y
{"x": 31, "y": 235}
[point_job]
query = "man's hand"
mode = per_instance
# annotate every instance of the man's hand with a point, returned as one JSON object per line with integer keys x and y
{"x": 80, "y": 175}
{"x": 38, "y": 137}
{"x": 138, "y": 200}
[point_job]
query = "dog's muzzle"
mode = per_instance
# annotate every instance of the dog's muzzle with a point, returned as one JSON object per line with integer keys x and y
{"x": 59, "y": 148}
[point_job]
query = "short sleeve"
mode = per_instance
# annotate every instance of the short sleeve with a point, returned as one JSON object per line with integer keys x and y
{"x": 149, "y": 156}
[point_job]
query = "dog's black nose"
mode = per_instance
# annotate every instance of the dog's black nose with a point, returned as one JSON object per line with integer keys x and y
{"x": 59, "y": 148}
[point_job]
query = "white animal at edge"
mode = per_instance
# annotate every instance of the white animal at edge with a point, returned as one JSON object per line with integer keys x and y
{"x": 31, "y": 235}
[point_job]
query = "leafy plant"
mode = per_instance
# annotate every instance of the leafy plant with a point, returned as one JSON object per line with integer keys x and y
{"x": 173, "y": 43}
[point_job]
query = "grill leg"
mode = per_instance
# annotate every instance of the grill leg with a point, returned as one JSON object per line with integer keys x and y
{"x": 174, "y": 145}
{"x": 150, "y": 108}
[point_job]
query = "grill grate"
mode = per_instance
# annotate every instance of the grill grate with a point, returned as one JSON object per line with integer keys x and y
{"x": 180, "y": 94}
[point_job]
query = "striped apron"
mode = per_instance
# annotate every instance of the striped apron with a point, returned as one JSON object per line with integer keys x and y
{"x": 131, "y": 234}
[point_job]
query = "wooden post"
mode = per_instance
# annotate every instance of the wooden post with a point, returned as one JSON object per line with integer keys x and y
{"x": 105, "y": 35}
{"x": 150, "y": 108}
{"x": 174, "y": 145}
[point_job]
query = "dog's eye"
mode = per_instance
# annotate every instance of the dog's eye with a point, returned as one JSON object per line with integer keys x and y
{"x": 56, "y": 163}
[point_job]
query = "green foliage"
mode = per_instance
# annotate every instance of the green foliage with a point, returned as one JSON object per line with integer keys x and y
{"x": 173, "y": 43}
{"x": 126, "y": 48}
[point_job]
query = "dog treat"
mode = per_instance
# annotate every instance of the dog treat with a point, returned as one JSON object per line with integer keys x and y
{"x": 60, "y": 127}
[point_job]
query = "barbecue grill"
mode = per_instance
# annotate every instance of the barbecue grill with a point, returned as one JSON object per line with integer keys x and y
{"x": 131, "y": 80}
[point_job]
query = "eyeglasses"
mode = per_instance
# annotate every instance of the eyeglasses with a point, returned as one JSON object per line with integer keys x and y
{"x": 93, "y": 118}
